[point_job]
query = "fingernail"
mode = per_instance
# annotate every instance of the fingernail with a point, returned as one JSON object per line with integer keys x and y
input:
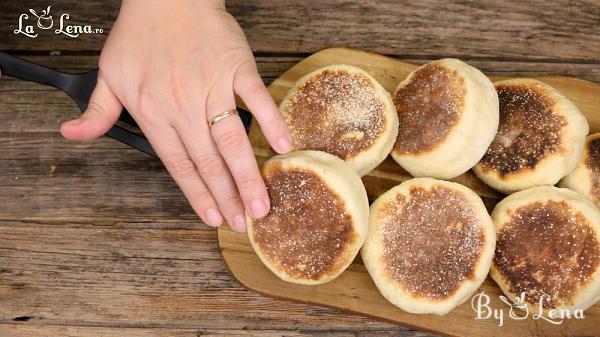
{"x": 258, "y": 208}
{"x": 284, "y": 144}
{"x": 214, "y": 217}
{"x": 239, "y": 223}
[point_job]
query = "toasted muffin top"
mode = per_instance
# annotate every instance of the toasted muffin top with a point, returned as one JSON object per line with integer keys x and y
{"x": 529, "y": 130}
{"x": 546, "y": 248}
{"x": 432, "y": 240}
{"x": 308, "y": 229}
{"x": 336, "y": 111}
{"x": 428, "y": 106}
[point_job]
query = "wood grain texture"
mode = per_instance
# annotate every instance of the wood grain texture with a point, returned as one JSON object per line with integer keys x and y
{"x": 139, "y": 276}
{"x": 29, "y": 330}
{"x": 533, "y": 30}
{"x": 354, "y": 290}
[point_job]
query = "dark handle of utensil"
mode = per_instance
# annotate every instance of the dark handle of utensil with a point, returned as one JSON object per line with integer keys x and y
{"x": 132, "y": 139}
{"x": 29, "y": 71}
{"x": 79, "y": 87}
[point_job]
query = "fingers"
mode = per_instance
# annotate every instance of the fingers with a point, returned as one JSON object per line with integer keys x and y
{"x": 232, "y": 142}
{"x": 214, "y": 171}
{"x": 171, "y": 151}
{"x": 250, "y": 87}
{"x": 102, "y": 112}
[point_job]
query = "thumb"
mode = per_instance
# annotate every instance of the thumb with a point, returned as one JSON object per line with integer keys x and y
{"x": 102, "y": 112}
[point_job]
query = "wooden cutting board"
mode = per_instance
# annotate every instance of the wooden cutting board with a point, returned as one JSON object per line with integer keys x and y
{"x": 354, "y": 290}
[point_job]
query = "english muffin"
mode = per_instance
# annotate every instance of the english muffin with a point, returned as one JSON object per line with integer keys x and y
{"x": 318, "y": 219}
{"x": 548, "y": 248}
{"x": 539, "y": 140}
{"x": 342, "y": 110}
{"x": 448, "y": 116}
{"x": 585, "y": 178}
{"x": 429, "y": 246}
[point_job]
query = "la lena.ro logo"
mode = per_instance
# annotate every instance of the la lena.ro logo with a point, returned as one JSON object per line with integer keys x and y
{"x": 45, "y": 22}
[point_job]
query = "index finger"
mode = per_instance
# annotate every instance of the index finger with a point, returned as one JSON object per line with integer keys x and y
{"x": 250, "y": 87}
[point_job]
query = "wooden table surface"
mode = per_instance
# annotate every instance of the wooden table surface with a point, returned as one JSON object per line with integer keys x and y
{"x": 96, "y": 239}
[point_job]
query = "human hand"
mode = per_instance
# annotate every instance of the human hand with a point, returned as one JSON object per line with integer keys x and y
{"x": 175, "y": 65}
